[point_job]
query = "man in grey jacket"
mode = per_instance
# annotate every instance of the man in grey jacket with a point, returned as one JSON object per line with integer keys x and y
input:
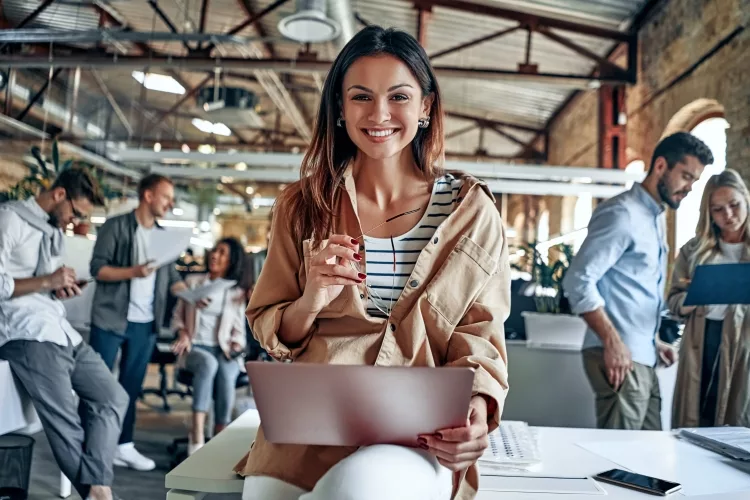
{"x": 46, "y": 354}
{"x": 131, "y": 298}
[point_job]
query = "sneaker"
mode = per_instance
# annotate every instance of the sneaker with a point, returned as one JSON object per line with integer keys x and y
{"x": 128, "y": 456}
{"x": 193, "y": 447}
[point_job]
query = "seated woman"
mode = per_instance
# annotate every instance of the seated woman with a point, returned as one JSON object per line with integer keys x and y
{"x": 379, "y": 257}
{"x": 210, "y": 339}
{"x": 713, "y": 377}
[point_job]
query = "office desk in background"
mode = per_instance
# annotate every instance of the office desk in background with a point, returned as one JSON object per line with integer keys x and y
{"x": 549, "y": 388}
{"x": 210, "y": 469}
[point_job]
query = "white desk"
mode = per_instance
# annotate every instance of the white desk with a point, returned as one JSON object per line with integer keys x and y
{"x": 16, "y": 411}
{"x": 210, "y": 469}
{"x": 549, "y": 388}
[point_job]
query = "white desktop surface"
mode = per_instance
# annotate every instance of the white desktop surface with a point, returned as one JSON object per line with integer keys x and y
{"x": 16, "y": 412}
{"x": 210, "y": 469}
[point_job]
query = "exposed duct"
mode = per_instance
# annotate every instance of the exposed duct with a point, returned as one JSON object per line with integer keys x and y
{"x": 341, "y": 12}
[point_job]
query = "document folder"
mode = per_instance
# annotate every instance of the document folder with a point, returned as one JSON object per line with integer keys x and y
{"x": 719, "y": 284}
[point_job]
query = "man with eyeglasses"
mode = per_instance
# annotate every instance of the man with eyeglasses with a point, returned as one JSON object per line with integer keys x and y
{"x": 131, "y": 299}
{"x": 45, "y": 353}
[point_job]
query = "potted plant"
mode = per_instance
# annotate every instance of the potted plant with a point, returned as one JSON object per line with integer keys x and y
{"x": 552, "y": 323}
{"x": 42, "y": 174}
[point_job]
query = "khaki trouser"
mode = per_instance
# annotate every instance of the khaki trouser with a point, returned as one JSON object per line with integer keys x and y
{"x": 636, "y": 405}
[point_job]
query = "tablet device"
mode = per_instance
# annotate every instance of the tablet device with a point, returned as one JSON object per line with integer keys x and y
{"x": 714, "y": 284}
{"x": 357, "y": 405}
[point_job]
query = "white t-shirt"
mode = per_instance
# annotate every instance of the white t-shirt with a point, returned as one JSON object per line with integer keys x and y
{"x": 731, "y": 253}
{"x": 141, "y": 309}
{"x": 209, "y": 320}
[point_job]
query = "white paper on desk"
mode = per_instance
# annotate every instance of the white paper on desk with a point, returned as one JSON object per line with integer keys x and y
{"x": 532, "y": 484}
{"x": 699, "y": 471}
{"x": 193, "y": 295}
{"x": 166, "y": 245}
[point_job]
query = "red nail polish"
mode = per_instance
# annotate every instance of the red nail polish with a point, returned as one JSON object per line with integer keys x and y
{"x": 357, "y": 256}
{"x": 362, "y": 276}
{"x": 422, "y": 441}
{"x": 439, "y": 435}
{"x": 424, "y": 446}
{"x": 355, "y": 242}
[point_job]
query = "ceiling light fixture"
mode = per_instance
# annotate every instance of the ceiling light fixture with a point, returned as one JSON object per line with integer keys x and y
{"x": 310, "y": 24}
{"x": 161, "y": 83}
{"x": 211, "y": 128}
{"x": 157, "y": 147}
{"x": 185, "y": 148}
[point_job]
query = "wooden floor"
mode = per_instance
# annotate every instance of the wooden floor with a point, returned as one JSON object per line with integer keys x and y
{"x": 155, "y": 430}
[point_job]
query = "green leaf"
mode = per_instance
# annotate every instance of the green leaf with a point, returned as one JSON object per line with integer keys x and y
{"x": 65, "y": 166}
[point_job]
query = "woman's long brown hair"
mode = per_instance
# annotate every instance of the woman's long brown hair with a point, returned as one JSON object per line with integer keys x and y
{"x": 311, "y": 204}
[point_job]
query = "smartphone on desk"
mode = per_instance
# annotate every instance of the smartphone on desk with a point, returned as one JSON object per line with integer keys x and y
{"x": 638, "y": 482}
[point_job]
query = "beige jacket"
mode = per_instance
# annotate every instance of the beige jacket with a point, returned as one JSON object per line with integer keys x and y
{"x": 453, "y": 316}
{"x": 231, "y": 324}
{"x": 733, "y": 406}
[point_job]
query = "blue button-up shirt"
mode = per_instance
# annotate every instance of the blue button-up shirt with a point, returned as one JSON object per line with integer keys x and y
{"x": 622, "y": 267}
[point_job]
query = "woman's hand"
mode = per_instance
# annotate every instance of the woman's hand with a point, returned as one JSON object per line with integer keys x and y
{"x": 330, "y": 271}
{"x": 458, "y": 449}
{"x": 182, "y": 344}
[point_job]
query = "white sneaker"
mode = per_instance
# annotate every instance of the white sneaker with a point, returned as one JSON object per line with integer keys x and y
{"x": 193, "y": 447}
{"x": 128, "y": 456}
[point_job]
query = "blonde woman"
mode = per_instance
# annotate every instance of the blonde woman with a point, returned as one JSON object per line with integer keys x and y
{"x": 713, "y": 378}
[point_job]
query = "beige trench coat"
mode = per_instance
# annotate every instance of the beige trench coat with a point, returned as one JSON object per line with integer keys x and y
{"x": 733, "y": 405}
{"x": 451, "y": 314}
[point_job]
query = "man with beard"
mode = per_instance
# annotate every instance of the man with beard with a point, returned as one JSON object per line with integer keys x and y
{"x": 131, "y": 299}
{"x": 616, "y": 282}
{"x": 47, "y": 356}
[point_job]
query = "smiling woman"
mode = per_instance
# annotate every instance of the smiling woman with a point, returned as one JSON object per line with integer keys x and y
{"x": 380, "y": 257}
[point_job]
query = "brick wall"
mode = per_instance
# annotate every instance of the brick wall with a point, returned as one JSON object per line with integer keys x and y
{"x": 707, "y": 37}
{"x": 688, "y": 50}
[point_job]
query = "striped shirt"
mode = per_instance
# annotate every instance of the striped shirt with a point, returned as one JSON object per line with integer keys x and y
{"x": 385, "y": 281}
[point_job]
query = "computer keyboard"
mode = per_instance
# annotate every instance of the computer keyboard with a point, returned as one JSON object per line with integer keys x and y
{"x": 513, "y": 445}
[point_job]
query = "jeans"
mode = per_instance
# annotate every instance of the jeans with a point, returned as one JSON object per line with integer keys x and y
{"x": 214, "y": 377}
{"x": 84, "y": 448}
{"x": 137, "y": 344}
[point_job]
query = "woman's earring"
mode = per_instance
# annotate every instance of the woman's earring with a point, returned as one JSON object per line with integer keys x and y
{"x": 423, "y": 123}
{"x": 339, "y": 122}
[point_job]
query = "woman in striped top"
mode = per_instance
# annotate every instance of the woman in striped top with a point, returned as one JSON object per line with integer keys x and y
{"x": 390, "y": 263}
{"x": 378, "y": 256}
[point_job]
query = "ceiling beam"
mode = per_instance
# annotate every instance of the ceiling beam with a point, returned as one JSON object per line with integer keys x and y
{"x": 112, "y": 101}
{"x": 165, "y": 19}
{"x": 536, "y": 154}
{"x": 604, "y": 64}
{"x": 201, "y": 64}
{"x": 204, "y": 16}
{"x": 474, "y": 42}
{"x": 33, "y": 15}
{"x": 33, "y": 100}
{"x": 524, "y": 18}
{"x": 490, "y": 122}
{"x": 462, "y": 131}
{"x": 250, "y": 20}
{"x": 423, "y": 18}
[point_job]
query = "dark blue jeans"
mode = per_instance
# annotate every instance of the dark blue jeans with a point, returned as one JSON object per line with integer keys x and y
{"x": 137, "y": 345}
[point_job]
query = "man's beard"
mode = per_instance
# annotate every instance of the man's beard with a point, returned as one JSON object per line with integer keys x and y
{"x": 666, "y": 195}
{"x": 54, "y": 220}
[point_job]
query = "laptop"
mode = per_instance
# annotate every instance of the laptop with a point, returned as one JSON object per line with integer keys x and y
{"x": 732, "y": 442}
{"x": 357, "y": 405}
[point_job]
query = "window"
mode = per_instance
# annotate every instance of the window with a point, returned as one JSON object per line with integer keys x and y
{"x": 713, "y": 132}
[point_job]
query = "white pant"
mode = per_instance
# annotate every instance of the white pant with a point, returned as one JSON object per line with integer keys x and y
{"x": 371, "y": 473}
